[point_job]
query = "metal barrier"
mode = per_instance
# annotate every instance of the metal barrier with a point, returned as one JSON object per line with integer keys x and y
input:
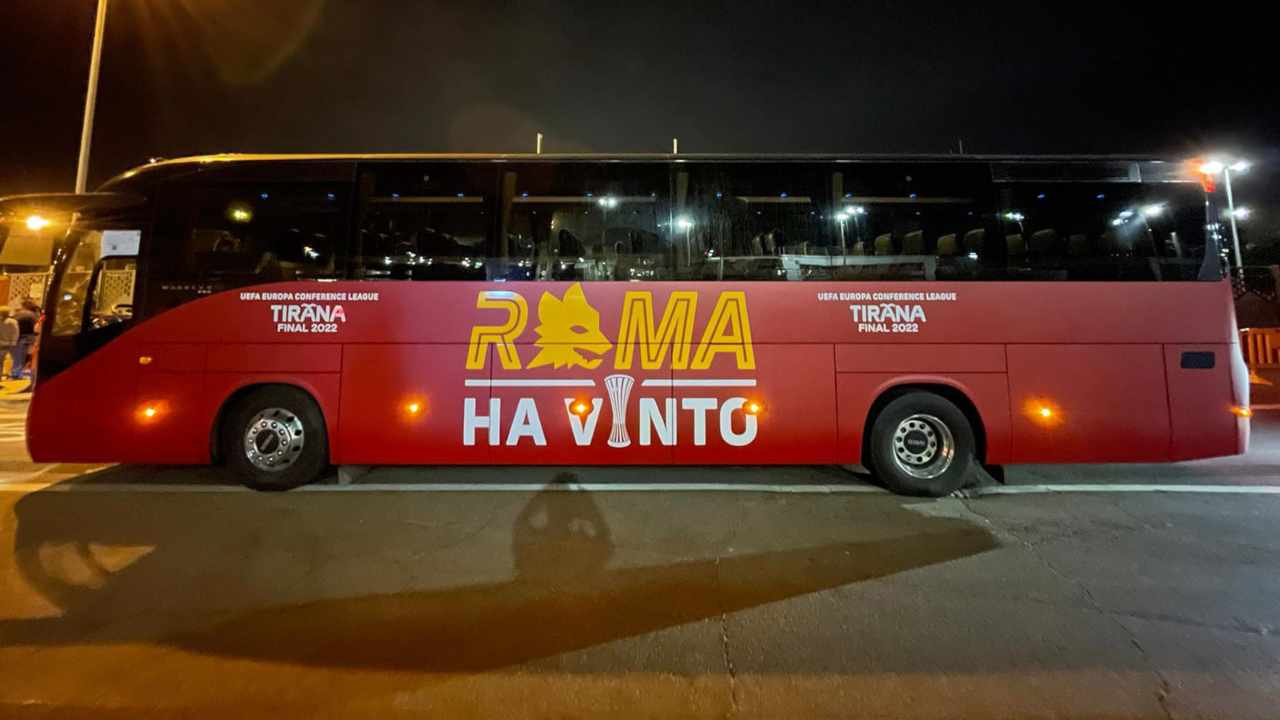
{"x": 1261, "y": 347}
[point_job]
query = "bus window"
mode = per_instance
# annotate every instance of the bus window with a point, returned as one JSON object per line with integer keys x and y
{"x": 746, "y": 221}
{"x": 219, "y": 237}
{"x": 586, "y": 221}
{"x": 1103, "y": 231}
{"x": 914, "y": 222}
{"x": 424, "y": 222}
{"x": 112, "y": 280}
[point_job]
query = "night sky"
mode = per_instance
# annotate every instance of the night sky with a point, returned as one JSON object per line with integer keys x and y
{"x": 194, "y": 76}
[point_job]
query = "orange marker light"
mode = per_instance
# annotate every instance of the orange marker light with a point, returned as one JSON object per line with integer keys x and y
{"x": 144, "y": 360}
{"x": 580, "y": 408}
{"x": 1241, "y": 411}
{"x": 149, "y": 412}
{"x": 754, "y": 408}
{"x": 1043, "y": 412}
{"x": 414, "y": 407}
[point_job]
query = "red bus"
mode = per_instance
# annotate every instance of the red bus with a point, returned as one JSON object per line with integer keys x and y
{"x": 915, "y": 315}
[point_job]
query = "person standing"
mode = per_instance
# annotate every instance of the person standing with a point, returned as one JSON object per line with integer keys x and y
{"x": 8, "y": 338}
{"x": 26, "y": 318}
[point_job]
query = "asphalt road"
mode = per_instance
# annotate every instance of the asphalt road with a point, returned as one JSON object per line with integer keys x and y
{"x": 541, "y": 592}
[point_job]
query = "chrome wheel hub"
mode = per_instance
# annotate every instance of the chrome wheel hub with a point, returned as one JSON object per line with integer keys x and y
{"x": 274, "y": 439}
{"x": 923, "y": 446}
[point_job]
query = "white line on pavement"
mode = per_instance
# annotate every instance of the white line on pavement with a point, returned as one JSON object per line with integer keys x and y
{"x": 23, "y": 484}
{"x": 1122, "y": 488}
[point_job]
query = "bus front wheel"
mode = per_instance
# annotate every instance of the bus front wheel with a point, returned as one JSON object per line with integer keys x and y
{"x": 922, "y": 444}
{"x": 274, "y": 438}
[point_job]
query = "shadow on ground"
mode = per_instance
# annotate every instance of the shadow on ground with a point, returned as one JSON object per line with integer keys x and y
{"x": 434, "y": 582}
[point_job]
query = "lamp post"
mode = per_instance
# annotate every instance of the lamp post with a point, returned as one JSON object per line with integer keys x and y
{"x": 1213, "y": 167}
{"x": 91, "y": 98}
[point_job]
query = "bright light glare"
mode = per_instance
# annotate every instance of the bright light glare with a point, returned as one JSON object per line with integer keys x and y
{"x": 37, "y": 222}
{"x": 684, "y": 223}
{"x": 754, "y": 408}
{"x": 413, "y": 407}
{"x": 1242, "y": 213}
{"x": 858, "y": 210}
{"x": 1046, "y": 412}
{"x": 580, "y": 408}
{"x": 1014, "y": 216}
{"x": 1213, "y": 167}
{"x": 1241, "y": 411}
{"x": 608, "y": 202}
{"x": 1240, "y": 166}
{"x": 1153, "y": 210}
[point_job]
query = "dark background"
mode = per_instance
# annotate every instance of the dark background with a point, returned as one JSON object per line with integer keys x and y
{"x": 194, "y": 76}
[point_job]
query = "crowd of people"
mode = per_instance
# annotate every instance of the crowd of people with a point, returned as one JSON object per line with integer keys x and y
{"x": 19, "y": 330}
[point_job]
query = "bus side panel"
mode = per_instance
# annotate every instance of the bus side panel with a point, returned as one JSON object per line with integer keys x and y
{"x": 381, "y": 383}
{"x": 170, "y": 406}
{"x": 989, "y": 393}
{"x": 1200, "y": 400}
{"x": 919, "y": 357}
{"x": 88, "y": 414}
{"x": 793, "y": 384}
{"x": 1088, "y": 403}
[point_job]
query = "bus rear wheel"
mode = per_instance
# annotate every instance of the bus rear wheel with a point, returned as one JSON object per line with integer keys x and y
{"x": 274, "y": 439}
{"x": 922, "y": 444}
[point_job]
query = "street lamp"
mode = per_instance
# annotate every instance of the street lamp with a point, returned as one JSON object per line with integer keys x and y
{"x": 91, "y": 98}
{"x": 1212, "y": 168}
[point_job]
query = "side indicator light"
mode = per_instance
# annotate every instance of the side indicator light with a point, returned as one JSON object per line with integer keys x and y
{"x": 144, "y": 360}
{"x": 580, "y": 408}
{"x": 148, "y": 413}
{"x": 1043, "y": 412}
{"x": 414, "y": 407}
{"x": 754, "y": 408}
{"x": 1241, "y": 411}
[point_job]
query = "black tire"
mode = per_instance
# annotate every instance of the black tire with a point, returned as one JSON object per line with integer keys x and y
{"x": 919, "y": 426}
{"x": 279, "y": 411}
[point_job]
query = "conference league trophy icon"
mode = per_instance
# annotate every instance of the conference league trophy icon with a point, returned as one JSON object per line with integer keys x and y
{"x": 619, "y": 389}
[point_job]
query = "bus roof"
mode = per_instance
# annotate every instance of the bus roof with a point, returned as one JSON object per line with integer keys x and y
{"x": 180, "y": 163}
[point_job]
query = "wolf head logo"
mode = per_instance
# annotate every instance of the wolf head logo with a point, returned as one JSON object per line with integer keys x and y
{"x": 568, "y": 327}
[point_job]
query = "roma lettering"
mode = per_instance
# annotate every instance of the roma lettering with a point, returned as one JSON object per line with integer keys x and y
{"x": 569, "y": 332}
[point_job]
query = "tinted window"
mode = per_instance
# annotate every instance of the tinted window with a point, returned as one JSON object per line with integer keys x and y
{"x": 585, "y": 221}
{"x": 919, "y": 221}
{"x": 222, "y": 236}
{"x": 425, "y": 221}
{"x": 1102, "y": 231}
{"x": 833, "y": 221}
{"x": 737, "y": 221}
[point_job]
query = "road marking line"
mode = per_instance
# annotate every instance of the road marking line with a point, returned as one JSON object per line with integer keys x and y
{"x": 696, "y": 382}
{"x": 1122, "y": 488}
{"x": 529, "y": 383}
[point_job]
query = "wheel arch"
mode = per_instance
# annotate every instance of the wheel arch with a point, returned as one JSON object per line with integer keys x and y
{"x": 248, "y": 387}
{"x": 950, "y": 391}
